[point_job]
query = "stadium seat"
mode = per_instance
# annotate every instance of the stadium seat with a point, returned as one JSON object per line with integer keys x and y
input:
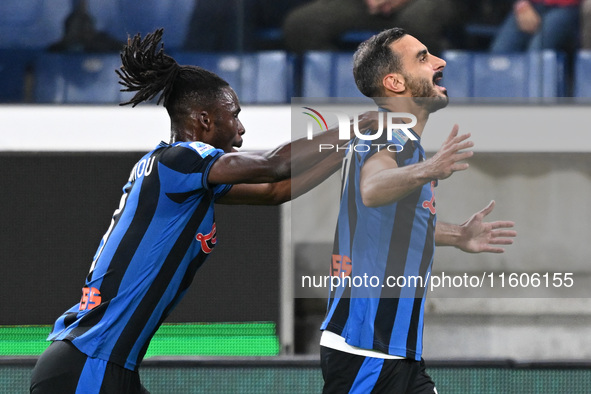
{"x": 260, "y": 77}
{"x": 547, "y": 74}
{"x": 536, "y": 74}
{"x": 458, "y": 74}
{"x": 316, "y": 78}
{"x": 500, "y": 75}
{"x": 147, "y": 15}
{"x": 328, "y": 74}
{"x": 267, "y": 77}
{"x": 14, "y": 66}
{"x": 77, "y": 78}
{"x": 32, "y": 23}
{"x": 344, "y": 83}
{"x": 227, "y": 66}
{"x": 582, "y": 74}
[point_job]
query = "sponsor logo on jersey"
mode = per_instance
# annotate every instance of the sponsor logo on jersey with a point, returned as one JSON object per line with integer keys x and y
{"x": 202, "y": 148}
{"x": 91, "y": 298}
{"x": 208, "y": 241}
{"x": 430, "y": 204}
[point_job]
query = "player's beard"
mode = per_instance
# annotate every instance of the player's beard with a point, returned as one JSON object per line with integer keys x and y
{"x": 426, "y": 94}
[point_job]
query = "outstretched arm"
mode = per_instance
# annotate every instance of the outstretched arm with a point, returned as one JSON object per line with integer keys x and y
{"x": 383, "y": 182}
{"x": 475, "y": 235}
{"x": 260, "y": 185}
{"x": 276, "y": 165}
{"x": 283, "y": 191}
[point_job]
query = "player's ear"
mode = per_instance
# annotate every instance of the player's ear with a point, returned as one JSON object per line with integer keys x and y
{"x": 394, "y": 82}
{"x": 205, "y": 120}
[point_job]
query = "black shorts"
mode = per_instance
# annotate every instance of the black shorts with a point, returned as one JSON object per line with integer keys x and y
{"x": 63, "y": 369}
{"x": 350, "y": 373}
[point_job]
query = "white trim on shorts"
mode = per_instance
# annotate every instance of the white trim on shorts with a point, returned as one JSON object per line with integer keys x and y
{"x": 337, "y": 342}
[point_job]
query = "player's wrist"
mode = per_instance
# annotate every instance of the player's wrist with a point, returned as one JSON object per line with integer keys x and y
{"x": 426, "y": 171}
{"x": 447, "y": 234}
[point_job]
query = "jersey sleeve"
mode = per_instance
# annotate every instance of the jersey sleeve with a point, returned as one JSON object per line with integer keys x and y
{"x": 220, "y": 191}
{"x": 187, "y": 166}
{"x": 207, "y": 156}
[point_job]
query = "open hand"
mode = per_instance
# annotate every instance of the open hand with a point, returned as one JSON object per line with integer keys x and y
{"x": 479, "y": 236}
{"x": 447, "y": 160}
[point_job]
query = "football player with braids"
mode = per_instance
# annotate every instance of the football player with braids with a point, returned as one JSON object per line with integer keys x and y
{"x": 164, "y": 228}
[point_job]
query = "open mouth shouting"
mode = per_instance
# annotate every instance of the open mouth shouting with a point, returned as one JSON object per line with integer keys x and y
{"x": 436, "y": 79}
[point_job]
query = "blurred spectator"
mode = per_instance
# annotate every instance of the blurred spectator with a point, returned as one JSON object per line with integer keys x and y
{"x": 539, "y": 24}
{"x": 80, "y": 35}
{"x": 480, "y": 24}
{"x": 320, "y": 24}
{"x": 235, "y": 25}
{"x": 586, "y": 24}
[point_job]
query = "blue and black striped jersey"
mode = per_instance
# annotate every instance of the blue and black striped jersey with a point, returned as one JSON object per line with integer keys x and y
{"x": 390, "y": 241}
{"x": 162, "y": 232}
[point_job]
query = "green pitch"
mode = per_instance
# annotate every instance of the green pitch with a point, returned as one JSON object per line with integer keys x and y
{"x": 187, "y": 339}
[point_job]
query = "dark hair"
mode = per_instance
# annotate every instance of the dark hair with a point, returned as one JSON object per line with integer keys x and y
{"x": 374, "y": 59}
{"x": 147, "y": 70}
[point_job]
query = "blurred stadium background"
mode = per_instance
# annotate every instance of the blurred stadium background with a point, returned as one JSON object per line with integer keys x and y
{"x": 66, "y": 149}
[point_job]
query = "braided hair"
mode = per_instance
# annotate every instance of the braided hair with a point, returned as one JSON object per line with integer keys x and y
{"x": 147, "y": 70}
